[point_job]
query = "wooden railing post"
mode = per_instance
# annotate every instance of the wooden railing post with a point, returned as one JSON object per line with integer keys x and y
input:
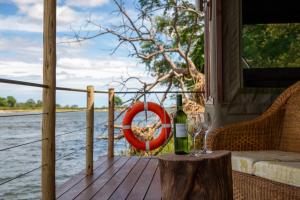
{"x": 90, "y": 130}
{"x": 111, "y": 118}
{"x": 49, "y": 93}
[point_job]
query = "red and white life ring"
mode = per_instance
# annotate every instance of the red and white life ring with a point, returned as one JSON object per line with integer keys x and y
{"x": 158, "y": 141}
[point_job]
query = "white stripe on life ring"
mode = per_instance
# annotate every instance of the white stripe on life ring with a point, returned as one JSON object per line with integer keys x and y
{"x": 147, "y": 145}
{"x": 166, "y": 126}
{"x": 126, "y": 127}
{"x": 146, "y": 106}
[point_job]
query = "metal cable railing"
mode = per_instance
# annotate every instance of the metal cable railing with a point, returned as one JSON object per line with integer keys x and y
{"x": 28, "y": 172}
{"x": 34, "y": 114}
{"x": 63, "y": 112}
{"x": 35, "y": 141}
{"x": 68, "y": 132}
{"x": 20, "y": 175}
{"x": 12, "y": 147}
{"x": 71, "y": 132}
{"x": 22, "y": 115}
{"x": 69, "y": 154}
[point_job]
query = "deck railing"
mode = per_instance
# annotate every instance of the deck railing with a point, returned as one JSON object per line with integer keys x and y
{"x": 47, "y": 137}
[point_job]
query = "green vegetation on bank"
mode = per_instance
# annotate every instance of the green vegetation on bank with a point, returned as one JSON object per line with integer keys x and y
{"x": 11, "y": 104}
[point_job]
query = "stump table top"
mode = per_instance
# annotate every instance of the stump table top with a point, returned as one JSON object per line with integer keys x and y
{"x": 189, "y": 158}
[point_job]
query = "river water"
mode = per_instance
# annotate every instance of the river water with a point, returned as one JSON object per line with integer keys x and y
{"x": 16, "y": 161}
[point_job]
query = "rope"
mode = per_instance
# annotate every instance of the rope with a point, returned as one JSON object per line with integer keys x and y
{"x": 70, "y": 132}
{"x": 12, "y": 147}
{"x": 22, "y": 115}
{"x": 20, "y": 175}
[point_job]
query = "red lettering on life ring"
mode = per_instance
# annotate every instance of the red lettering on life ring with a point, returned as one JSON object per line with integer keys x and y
{"x": 165, "y": 130}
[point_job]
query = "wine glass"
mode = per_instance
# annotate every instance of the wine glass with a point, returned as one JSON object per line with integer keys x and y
{"x": 194, "y": 129}
{"x": 207, "y": 126}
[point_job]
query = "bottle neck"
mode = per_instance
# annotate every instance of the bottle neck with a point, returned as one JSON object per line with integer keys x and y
{"x": 179, "y": 102}
{"x": 179, "y": 107}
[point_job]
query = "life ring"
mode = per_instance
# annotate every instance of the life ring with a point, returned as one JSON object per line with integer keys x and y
{"x": 152, "y": 144}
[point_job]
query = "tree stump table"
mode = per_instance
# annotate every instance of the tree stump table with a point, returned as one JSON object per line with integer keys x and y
{"x": 206, "y": 177}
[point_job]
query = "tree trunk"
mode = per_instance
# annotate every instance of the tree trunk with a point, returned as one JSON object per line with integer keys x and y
{"x": 207, "y": 177}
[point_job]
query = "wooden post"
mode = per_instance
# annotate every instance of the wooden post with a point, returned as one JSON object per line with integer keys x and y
{"x": 49, "y": 79}
{"x": 90, "y": 130}
{"x": 111, "y": 118}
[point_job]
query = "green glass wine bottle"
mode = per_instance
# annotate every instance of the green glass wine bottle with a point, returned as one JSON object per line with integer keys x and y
{"x": 180, "y": 129}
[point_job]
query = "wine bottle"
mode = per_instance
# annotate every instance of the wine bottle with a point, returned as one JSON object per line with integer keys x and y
{"x": 180, "y": 129}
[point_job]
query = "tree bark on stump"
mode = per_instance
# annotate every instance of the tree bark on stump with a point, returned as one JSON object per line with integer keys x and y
{"x": 206, "y": 177}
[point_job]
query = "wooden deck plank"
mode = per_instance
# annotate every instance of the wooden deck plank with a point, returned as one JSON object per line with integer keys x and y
{"x": 93, "y": 188}
{"x": 143, "y": 183}
{"x": 124, "y": 189}
{"x": 107, "y": 190}
{"x": 154, "y": 191}
{"x": 77, "y": 178}
{"x": 88, "y": 180}
{"x": 116, "y": 179}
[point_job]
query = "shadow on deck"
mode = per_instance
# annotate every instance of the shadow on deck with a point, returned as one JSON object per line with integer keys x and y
{"x": 115, "y": 178}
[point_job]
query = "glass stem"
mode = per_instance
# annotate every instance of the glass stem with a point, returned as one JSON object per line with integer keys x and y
{"x": 205, "y": 135}
{"x": 194, "y": 141}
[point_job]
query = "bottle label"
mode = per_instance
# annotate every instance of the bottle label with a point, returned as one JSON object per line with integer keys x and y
{"x": 181, "y": 130}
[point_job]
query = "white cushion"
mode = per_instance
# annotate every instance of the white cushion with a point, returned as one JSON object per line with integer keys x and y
{"x": 280, "y": 166}
{"x": 283, "y": 172}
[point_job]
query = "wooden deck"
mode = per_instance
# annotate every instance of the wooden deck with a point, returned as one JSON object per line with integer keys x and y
{"x": 115, "y": 178}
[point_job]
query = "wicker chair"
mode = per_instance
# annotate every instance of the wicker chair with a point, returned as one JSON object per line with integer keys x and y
{"x": 276, "y": 129}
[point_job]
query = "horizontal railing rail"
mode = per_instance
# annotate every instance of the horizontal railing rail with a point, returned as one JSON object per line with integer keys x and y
{"x": 71, "y": 89}
{"x": 15, "y": 82}
{"x": 159, "y": 92}
{"x": 22, "y": 115}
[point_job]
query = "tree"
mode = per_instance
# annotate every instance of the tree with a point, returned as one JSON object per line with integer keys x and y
{"x": 74, "y": 106}
{"x": 3, "y": 102}
{"x": 39, "y": 103}
{"x": 272, "y": 45}
{"x": 167, "y": 35}
{"x": 118, "y": 101}
{"x": 30, "y": 103}
{"x": 11, "y": 101}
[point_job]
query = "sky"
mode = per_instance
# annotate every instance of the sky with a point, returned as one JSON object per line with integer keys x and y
{"x": 78, "y": 64}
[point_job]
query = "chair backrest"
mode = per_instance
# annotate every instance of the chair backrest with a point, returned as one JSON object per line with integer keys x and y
{"x": 290, "y": 137}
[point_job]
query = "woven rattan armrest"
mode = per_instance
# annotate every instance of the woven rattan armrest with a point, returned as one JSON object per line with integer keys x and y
{"x": 258, "y": 134}
{"x": 262, "y": 133}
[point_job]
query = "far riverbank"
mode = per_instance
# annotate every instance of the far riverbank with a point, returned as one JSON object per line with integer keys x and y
{"x": 16, "y": 110}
